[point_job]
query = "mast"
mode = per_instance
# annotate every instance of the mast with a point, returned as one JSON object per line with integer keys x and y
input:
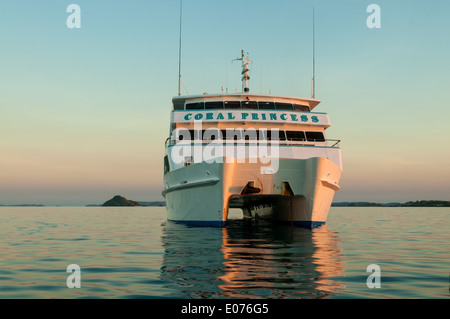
{"x": 245, "y": 70}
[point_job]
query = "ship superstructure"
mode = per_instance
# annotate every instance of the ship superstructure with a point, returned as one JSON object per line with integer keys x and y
{"x": 266, "y": 154}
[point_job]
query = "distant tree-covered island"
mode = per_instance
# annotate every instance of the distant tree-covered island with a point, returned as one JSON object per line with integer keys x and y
{"x": 24, "y": 205}
{"x": 122, "y": 201}
{"x": 420, "y": 203}
{"x": 119, "y": 200}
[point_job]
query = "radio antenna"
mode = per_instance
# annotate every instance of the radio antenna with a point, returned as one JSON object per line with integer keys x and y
{"x": 179, "y": 52}
{"x": 313, "y": 87}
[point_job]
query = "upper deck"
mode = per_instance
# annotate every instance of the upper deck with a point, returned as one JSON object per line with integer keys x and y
{"x": 241, "y": 108}
{"x": 243, "y": 101}
{"x": 235, "y": 111}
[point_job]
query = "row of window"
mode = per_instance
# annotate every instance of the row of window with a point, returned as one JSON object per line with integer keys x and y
{"x": 249, "y": 134}
{"x": 218, "y": 105}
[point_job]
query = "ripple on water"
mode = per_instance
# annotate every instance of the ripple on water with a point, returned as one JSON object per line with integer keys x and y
{"x": 135, "y": 253}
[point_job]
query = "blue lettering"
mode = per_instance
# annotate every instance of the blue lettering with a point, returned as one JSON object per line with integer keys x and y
{"x": 209, "y": 116}
{"x": 198, "y": 116}
{"x": 304, "y": 118}
{"x": 244, "y": 115}
{"x": 220, "y": 116}
{"x": 255, "y": 116}
{"x": 294, "y": 117}
{"x": 283, "y": 116}
{"x": 187, "y": 117}
{"x": 230, "y": 116}
{"x": 314, "y": 119}
{"x": 273, "y": 116}
{"x": 263, "y": 116}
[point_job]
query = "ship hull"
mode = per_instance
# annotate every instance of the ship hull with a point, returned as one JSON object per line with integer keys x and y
{"x": 299, "y": 192}
{"x": 194, "y": 195}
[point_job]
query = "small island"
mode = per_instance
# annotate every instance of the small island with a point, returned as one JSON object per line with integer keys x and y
{"x": 120, "y": 201}
{"x": 24, "y": 205}
{"x": 419, "y": 203}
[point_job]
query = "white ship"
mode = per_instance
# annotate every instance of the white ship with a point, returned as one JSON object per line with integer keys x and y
{"x": 266, "y": 154}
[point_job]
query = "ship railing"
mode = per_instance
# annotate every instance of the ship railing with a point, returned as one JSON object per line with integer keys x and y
{"x": 320, "y": 142}
{"x": 336, "y": 142}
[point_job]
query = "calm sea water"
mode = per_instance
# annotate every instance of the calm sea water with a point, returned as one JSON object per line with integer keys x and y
{"x": 135, "y": 253}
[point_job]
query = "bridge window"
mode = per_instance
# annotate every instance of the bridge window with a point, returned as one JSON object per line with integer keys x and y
{"x": 214, "y": 105}
{"x": 232, "y": 104}
{"x": 272, "y": 136}
{"x": 178, "y": 105}
{"x": 315, "y": 137}
{"x": 252, "y": 135}
{"x": 249, "y": 105}
{"x": 295, "y": 135}
{"x": 194, "y": 135}
{"x": 231, "y": 134}
{"x": 195, "y": 106}
{"x": 283, "y": 106}
{"x": 302, "y": 108}
{"x": 211, "y": 134}
{"x": 266, "y": 105}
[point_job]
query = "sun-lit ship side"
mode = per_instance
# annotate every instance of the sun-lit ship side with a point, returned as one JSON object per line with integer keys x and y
{"x": 265, "y": 154}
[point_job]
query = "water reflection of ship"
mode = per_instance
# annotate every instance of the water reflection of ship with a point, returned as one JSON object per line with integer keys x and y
{"x": 245, "y": 261}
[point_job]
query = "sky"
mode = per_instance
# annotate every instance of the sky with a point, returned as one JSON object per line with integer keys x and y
{"x": 84, "y": 112}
